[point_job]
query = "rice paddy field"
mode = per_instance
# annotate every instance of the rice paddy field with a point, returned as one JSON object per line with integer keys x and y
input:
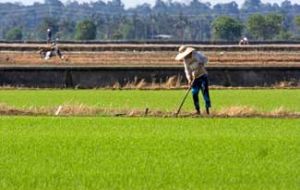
{"x": 98, "y": 151}
{"x": 146, "y": 153}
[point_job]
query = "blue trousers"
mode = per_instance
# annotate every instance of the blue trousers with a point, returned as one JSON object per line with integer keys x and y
{"x": 201, "y": 83}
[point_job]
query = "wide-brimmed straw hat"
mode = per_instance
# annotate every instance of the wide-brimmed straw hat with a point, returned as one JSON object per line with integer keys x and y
{"x": 183, "y": 52}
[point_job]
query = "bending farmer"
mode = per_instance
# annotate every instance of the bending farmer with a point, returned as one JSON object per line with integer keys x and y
{"x": 196, "y": 74}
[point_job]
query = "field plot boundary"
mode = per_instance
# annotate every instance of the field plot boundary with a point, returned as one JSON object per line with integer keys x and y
{"x": 232, "y": 66}
{"x": 151, "y": 41}
{"x": 150, "y": 47}
{"x": 83, "y": 110}
{"x": 140, "y": 77}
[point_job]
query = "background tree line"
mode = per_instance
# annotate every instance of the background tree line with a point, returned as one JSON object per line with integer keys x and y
{"x": 111, "y": 21}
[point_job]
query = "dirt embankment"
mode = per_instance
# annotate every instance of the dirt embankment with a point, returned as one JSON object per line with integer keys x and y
{"x": 145, "y": 55}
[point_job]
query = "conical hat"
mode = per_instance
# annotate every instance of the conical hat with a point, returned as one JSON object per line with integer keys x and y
{"x": 183, "y": 52}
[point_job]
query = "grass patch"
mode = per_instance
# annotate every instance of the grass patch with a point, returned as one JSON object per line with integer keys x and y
{"x": 128, "y": 153}
{"x": 164, "y": 100}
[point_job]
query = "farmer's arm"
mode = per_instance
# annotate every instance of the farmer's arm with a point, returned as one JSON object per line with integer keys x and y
{"x": 188, "y": 72}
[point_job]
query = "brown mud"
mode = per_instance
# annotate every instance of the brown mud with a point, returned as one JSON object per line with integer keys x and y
{"x": 83, "y": 110}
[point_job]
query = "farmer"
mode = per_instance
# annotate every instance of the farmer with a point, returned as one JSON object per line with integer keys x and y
{"x": 51, "y": 51}
{"x": 196, "y": 74}
{"x": 244, "y": 41}
{"x": 49, "y": 35}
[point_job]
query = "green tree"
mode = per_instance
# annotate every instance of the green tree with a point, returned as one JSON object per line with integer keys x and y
{"x": 284, "y": 35}
{"x": 255, "y": 26}
{"x": 227, "y": 28}
{"x": 66, "y": 30}
{"x": 200, "y": 28}
{"x": 139, "y": 27}
{"x": 274, "y": 25}
{"x": 297, "y": 21}
{"x": 85, "y": 30}
{"x": 125, "y": 30}
{"x": 251, "y": 6}
{"x": 264, "y": 27}
{"x": 117, "y": 35}
{"x": 14, "y": 34}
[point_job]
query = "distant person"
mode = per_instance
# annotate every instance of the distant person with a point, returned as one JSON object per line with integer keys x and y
{"x": 51, "y": 51}
{"x": 196, "y": 74}
{"x": 244, "y": 41}
{"x": 49, "y": 35}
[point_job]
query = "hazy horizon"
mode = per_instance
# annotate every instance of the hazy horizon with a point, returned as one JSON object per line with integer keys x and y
{"x": 133, "y": 3}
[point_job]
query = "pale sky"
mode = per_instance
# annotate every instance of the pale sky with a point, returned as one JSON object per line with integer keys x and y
{"x": 132, "y": 3}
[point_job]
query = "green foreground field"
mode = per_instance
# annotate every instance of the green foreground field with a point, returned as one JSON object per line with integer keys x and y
{"x": 148, "y": 153}
{"x": 164, "y": 100}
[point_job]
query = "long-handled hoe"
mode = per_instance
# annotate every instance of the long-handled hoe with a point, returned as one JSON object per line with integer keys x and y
{"x": 184, "y": 98}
